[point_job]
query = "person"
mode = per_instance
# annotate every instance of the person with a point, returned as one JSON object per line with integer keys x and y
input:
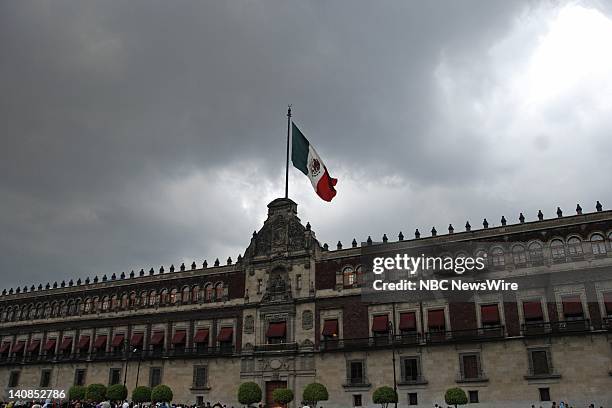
{"x": 125, "y": 404}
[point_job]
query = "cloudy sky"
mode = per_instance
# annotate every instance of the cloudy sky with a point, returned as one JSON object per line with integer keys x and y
{"x": 144, "y": 133}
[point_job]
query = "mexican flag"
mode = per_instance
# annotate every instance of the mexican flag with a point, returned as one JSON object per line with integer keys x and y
{"x": 306, "y": 159}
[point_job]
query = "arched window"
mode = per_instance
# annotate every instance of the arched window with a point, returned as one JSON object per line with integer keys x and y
{"x": 153, "y": 298}
{"x": 186, "y": 295}
{"x": 2, "y": 315}
{"x": 359, "y": 275}
{"x": 574, "y": 246}
{"x": 598, "y": 245}
{"x": 71, "y": 310}
{"x": 47, "y": 310}
{"x": 518, "y": 254}
{"x": 87, "y": 307}
{"x": 114, "y": 302}
{"x": 31, "y": 312}
{"x": 219, "y": 291}
{"x": 95, "y": 304}
{"x": 535, "y": 252}
{"x": 64, "y": 309}
{"x": 39, "y": 311}
{"x": 497, "y": 257}
{"x": 144, "y": 299}
{"x": 105, "y": 304}
{"x": 173, "y": 296}
{"x": 209, "y": 292}
{"x": 163, "y": 299}
{"x": 133, "y": 299}
{"x": 195, "y": 291}
{"x": 125, "y": 301}
{"x": 348, "y": 276}
{"x": 557, "y": 249}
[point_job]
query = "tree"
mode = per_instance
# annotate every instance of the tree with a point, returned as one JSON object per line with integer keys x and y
{"x": 455, "y": 396}
{"x": 282, "y": 396}
{"x": 314, "y": 393}
{"x": 161, "y": 393}
{"x": 116, "y": 392}
{"x": 384, "y": 396}
{"x": 141, "y": 394}
{"x": 77, "y": 392}
{"x": 95, "y": 392}
{"x": 249, "y": 393}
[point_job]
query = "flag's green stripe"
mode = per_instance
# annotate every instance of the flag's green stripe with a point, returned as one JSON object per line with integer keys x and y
{"x": 299, "y": 149}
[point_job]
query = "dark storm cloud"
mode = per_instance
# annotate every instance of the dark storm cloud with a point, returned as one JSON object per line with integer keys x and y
{"x": 140, "y": 133}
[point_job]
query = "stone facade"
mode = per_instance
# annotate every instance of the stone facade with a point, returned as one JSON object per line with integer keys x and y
{"x": 289, "y": 312}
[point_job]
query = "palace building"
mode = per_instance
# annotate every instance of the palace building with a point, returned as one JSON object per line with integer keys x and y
{"x": 290, "y": 311}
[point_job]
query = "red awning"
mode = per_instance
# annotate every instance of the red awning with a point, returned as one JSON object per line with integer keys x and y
{"x": 19, "y": 346}
{"x": 607, "y": 296}
{"x": 83, "y": 343}
{"x": 489, "y": 314}
{"x": 5, "y": 347}
{"x": 66, "y": 343}
{"x": 201, "y": 336}
{"x": 34, "y": 345}
{"x": 532, "y": 310}
{"x": 572, "y": 306}
{"x": 225, "y": 334}
{"x": 277, "y": 330}
{"x": 137, "y": 339}
{"x": 118, "y": 340}
{"x": 407, "y": 321}
{"x": 179, "y": 337}
{"x": 435, "y": 318}
{"x": 100, "y": 342}
{"x": 380, "y": 324}
{"x": 50, "y": 345}
{"x": 330, "y": 328}
{"x": 157, "y": 338}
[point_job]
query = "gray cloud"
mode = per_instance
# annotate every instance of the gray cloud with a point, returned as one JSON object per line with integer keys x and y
{"x": 140, "y": 133}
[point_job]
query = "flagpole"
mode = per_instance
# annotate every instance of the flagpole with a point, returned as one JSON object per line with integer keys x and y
{"x": 287, "y": 163}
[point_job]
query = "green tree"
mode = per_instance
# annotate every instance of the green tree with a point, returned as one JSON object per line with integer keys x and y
{"x": 249, "y": 393}
{"x": 77, "y": 392}
{"x": 384, "y": 396}
{"x": 455, "y": 396}
{"x": 116, "y": 392}
{"x": 161, "y": 393}
{"x": 96, "y": 392}
{"x": 141, "y": 394}
{"x": 282, "y": 396}
{"x": 314, "y": 393}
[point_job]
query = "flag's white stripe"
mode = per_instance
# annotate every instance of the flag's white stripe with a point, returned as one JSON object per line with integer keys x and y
{"x": 314, "y": 179}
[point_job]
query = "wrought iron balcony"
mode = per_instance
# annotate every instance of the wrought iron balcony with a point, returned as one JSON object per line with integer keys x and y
{"x": 559, "y": 327}
{"x": 276, "y": 347}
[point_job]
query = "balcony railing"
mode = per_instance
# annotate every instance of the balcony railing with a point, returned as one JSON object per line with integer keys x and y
{"x": 114, "y": 355}
{"x": 276, "y": 347}
{"x": 606, "y": 323}
{"x": 483, "y": 333}
{"x": 559, "y": 327}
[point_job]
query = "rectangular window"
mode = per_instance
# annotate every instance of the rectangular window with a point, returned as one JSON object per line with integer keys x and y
{"x": 356, "y": 374}
{"x": 155, "y": 376}
{"x": 298, "y": 282}
{"x": 470, "y": 369}
{"x": 45, "y": 378}
{"x": 473, "y": 397}
{"x": 277, "y": 332}
{"x": 532, "y": 311}
{"x": 259, "y": 286}
{"x": 539, "y": 362}
{"x": 544, "y": 394}
{"x": 357, "y": 400}
{"x": 13, "y": 379}
{"x": 436, "y": 321}
{"x": 572, "y": 307}
{"x": 607, "y": 298}
{"x": 412, "y": 398}
{"x": 410, "y": 369}
{"x": 200, "y": 376}
{"x": 489, "y": 315}
{"x": 79, "y": 376}
{"x": 114, "y": 376}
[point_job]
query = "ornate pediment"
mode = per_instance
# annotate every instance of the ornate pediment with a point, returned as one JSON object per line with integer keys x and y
{"x": 281, "y": 233}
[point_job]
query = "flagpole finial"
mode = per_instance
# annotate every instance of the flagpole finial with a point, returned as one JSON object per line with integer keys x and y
{"x": 289, "y": 110}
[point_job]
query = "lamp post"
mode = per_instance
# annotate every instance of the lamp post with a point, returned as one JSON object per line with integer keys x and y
{"x": 127, "y": 360}
{"x": 135, "y": 351}
{"x": 392, "y": 331}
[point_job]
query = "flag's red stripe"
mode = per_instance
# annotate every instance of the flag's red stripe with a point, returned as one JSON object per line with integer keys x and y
{"x": 325, "y": 187}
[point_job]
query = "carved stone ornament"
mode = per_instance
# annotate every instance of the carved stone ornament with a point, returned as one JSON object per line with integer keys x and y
{"x": 249, "y": 324}
{"x": 307, "y": 320}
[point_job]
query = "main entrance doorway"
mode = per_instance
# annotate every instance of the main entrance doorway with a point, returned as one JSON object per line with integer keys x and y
{"x": 270, "y": 387}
